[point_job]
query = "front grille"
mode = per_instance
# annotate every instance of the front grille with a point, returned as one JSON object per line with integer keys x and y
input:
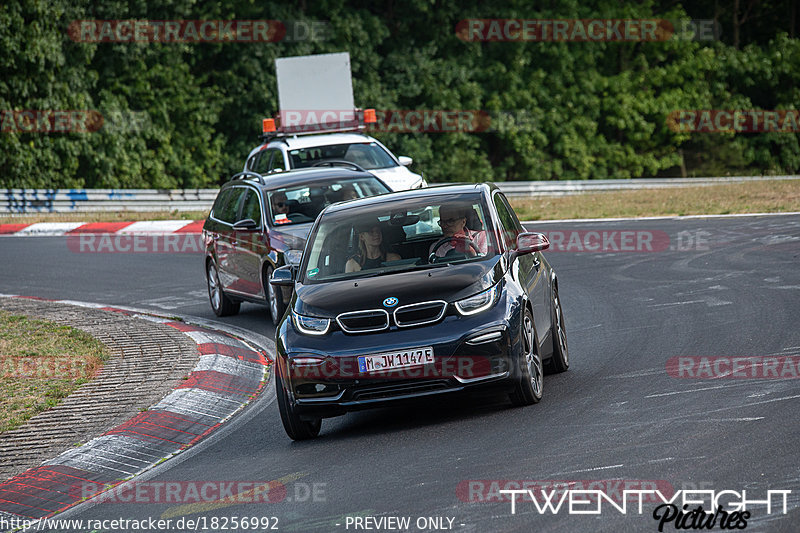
{"x": 393, "y": 390}
{"x": 363, "y": 321}
{"x": 420, "y": 313}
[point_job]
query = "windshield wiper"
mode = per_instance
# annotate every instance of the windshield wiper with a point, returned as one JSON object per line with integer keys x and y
{"x": 405, "y": 268}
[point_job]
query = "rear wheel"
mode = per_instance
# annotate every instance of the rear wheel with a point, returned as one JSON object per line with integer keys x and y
{"x": 274, "y": 298}
{"x": 296, "y": 428}
{"x": 528, "y": 389}
{"x": 220, "y": 303}
{"x": 560, "y": 360}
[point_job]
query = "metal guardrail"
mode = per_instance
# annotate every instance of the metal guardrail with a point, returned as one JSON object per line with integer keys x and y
{"x": 26, "y": 201}
{"x": 562, "y": 188}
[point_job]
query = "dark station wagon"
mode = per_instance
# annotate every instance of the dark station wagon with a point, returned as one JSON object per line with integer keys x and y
{"x": 260, "y": 223}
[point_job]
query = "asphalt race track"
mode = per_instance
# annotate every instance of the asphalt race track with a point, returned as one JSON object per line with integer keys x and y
{"x": 715, "y": 289}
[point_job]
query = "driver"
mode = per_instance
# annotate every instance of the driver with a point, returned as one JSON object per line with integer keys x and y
{"x": 280, "y": 205}
{"x": 453, "y": 221}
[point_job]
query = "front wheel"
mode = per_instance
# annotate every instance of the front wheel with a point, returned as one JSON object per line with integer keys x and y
{"x": 274, "y": 298}
{"x": 528, "y": 389}
{"x": 296, "y": 428}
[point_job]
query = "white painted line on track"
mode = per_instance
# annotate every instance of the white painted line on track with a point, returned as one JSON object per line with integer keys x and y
{"x": 637, "y": 374}
{"x": 741, "y": 419}
{"x": 594, "y": 469}
{"x": 697, "y": 390}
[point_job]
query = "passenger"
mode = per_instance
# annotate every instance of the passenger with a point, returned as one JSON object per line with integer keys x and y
{"x": 348, "y": 192}
{"x": 371, "y": 251}
{"x": 453, "y": 220}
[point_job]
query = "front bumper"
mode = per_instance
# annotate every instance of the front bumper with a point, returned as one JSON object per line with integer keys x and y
{"x": 468, "y": 352}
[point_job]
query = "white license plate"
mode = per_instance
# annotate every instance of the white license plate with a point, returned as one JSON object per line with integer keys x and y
{"x": 398, "y": 359}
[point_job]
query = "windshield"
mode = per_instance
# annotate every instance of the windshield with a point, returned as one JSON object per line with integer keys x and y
{"x": 396, "y": 236}
{"x": 367, "y": 155}
{"x": 302, "y": 203}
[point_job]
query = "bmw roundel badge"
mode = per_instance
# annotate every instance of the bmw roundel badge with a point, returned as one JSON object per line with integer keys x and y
{"x": 390, "y": 302}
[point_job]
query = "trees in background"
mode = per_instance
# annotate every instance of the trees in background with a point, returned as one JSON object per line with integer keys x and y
{"x": 184, "y": 115}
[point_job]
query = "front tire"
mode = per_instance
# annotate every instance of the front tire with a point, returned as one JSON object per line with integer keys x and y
{"x": 220, "y": 303}
{"x": 528, "y": 389}
{"x": 296, "y": 428}
{"x": 560, "y": 360}
{"x": 277, "y": 308}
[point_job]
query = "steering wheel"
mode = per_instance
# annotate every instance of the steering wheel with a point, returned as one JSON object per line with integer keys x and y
{"x": 338, "y": 163}
{"x": 298, "y": 217}
{"x": 432, "y": 258}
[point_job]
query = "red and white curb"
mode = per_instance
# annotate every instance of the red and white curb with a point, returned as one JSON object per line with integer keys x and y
{"x": 57, "y": 229}
{"x": 193, "y": 227}
{"x": 230, "y": 372}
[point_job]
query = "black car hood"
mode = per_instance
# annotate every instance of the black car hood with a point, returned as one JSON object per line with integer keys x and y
{"x": 449, "y": 283}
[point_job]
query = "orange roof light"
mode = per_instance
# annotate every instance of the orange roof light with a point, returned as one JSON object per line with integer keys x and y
{"x": 369, "y": 116}
{"x": 268, "y": 125}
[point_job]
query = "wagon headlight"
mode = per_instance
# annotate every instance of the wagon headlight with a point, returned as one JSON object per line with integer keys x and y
{"x": 480, "y": 302}
{"x": 311, "y": 325}
{"x": 293, "y": 257}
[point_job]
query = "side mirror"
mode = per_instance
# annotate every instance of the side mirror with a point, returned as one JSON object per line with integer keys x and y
{"x": 246, "y": 224}
{"x": 283, "y": 276}
{"x": 529, "y": 242}
{"x": 405, "y": 160}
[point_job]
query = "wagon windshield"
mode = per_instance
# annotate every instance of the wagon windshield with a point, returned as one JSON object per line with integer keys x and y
{"x": 300, "y": 204}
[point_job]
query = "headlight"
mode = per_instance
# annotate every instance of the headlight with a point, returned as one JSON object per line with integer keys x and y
{"x": 293, "y": 257}
{"x": 311, "y": 325}
{"x": 480, "y": 302}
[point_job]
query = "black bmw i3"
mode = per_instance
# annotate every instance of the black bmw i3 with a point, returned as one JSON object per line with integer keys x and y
{"x": 411, "y": 295}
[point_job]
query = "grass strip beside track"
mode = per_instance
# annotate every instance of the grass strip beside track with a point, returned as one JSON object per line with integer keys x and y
{"x": 41, "y": 363}
{"x": 749, "y": 197}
